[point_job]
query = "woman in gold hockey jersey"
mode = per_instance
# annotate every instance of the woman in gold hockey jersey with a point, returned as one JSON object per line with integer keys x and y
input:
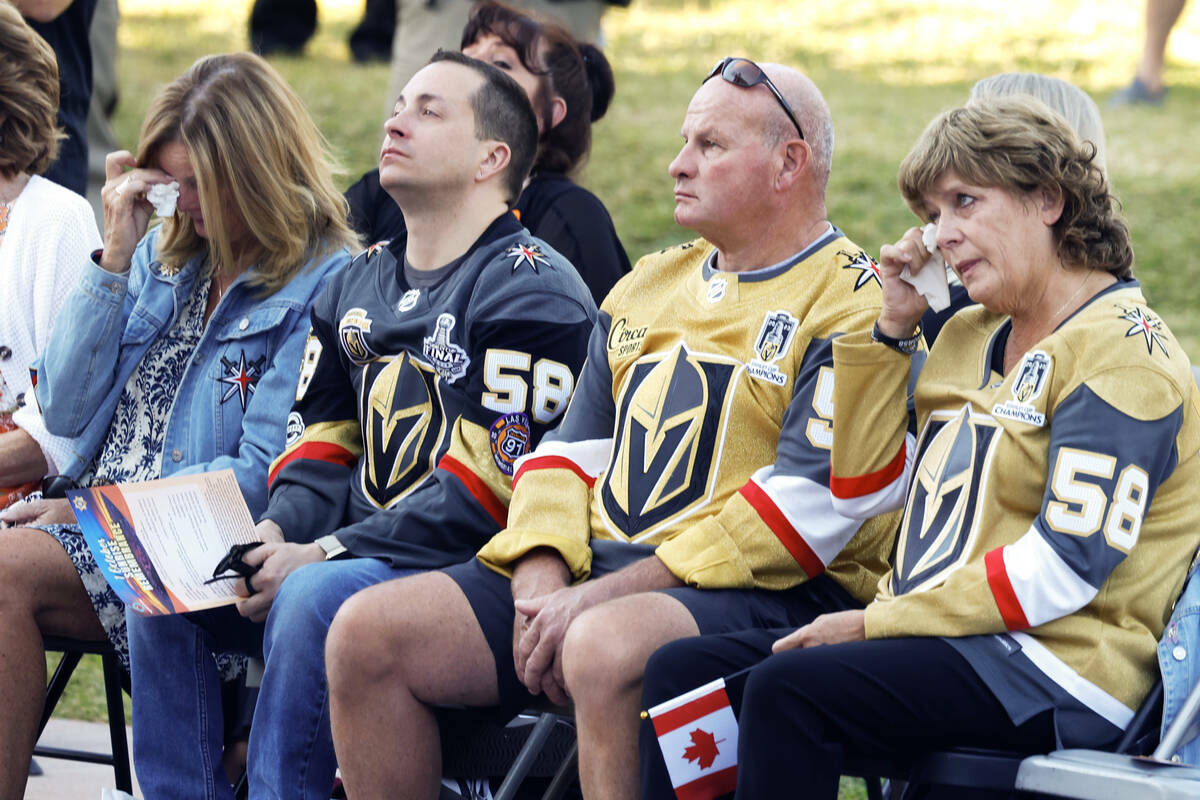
{"x": 1047, "y": 476}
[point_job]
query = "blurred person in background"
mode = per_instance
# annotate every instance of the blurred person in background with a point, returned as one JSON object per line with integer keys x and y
{"x": 178, "y": 352}
{"x": 1147, "y": 87}
{"x": 46, "y": 233}
{"x": 570, "y": 85}
{"x": 64, "y": 24}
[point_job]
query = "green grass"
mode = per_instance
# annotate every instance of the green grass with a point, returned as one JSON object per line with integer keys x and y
{"x": 886, "y": 67}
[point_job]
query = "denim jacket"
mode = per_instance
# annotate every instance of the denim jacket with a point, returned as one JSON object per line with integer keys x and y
{"x": 230, "y": 408}
{"x": 1179, "y": 660}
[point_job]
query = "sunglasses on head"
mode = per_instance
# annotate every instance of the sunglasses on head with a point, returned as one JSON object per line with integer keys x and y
{"x": 745, "y": 73}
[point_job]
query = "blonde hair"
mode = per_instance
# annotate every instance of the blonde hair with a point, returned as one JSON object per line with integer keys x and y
{"x": 1018, "y": 144}
{"x": 1076, "y": 106}
{"x": 262, "y": 169}
{"x": 29, "y": 132}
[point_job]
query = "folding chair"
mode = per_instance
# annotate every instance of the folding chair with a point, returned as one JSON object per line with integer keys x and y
{"x": 539, "y": 743}
{"x": 115, "y": 681}
{"x": 968, "y": 768}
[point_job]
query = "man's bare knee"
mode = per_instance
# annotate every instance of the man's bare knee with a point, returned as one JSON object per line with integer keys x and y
{"x": 606, "y": 648}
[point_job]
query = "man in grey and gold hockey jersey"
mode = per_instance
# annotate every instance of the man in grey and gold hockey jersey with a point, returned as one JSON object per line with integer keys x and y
{"x": 433, "y": 364}
{"x": 686, "y": 490}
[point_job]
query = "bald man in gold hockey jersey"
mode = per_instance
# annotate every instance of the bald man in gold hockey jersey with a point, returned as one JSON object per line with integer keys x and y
{"x": 687, "y": 490}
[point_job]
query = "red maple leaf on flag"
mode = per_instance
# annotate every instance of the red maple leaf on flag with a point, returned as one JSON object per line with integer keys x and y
{"x": 703, "y": 749}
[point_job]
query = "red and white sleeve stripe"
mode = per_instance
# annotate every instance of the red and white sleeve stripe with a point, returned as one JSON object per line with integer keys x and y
{"x": 1032, "y": 584}
{"x": 587, "y": 458}
{"x": 800, "y": 513}
{"x": 878, "y": 492}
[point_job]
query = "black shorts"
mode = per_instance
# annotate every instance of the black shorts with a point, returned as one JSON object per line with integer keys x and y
{"x": 714, "y": 610}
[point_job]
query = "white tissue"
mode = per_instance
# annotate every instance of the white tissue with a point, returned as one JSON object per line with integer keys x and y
{"x": 931, "y": 280}
{"x": 163, "y": 197}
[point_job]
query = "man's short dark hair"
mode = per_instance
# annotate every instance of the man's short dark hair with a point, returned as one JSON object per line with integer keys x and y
{"x": 502, "y": 113}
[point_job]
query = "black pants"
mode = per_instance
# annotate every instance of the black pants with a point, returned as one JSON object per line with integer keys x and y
{"x": 801, "y": 710}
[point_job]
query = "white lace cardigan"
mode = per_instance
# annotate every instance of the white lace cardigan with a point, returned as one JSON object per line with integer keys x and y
{"x": 51, "y": 232}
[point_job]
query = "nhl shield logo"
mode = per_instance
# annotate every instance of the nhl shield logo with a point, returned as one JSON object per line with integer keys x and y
{"x": 447, "y": 358}
{"x": 775, "y": 336}
{"x": 353, "y": 330}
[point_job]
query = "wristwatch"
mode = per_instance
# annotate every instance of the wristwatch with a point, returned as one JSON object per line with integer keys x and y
{"x": 332, "y": 547}
{"x": 906, "y": 346}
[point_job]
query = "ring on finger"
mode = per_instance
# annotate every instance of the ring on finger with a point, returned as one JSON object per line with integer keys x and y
{"x": 121, "y": 186}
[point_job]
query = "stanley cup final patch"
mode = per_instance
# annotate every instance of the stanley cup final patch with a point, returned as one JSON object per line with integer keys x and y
{"x": 448, "y": 359}
{"x": 1032, "y": 376}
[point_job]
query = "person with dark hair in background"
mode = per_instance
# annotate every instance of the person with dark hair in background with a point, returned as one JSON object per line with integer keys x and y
{"x": 64, "y": 24}
{"x": 432, "y": 364}
{"x": 570, "y": 85}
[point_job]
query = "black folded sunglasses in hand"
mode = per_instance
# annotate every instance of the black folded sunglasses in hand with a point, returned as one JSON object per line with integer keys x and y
{"x": 234, "y": 562}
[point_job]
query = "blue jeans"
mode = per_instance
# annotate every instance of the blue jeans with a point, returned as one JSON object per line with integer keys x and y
{"x": 291, "y": 747}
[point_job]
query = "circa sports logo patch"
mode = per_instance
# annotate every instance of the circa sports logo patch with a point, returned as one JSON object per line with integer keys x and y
{"x": 527, "y": 253}
{"x": 868, "y": 270}
{"x": 774, "y": 338}
{"x": 448, "y": 359}
{"x": 509, "y": 437}
{"x": 1145, "y": 325}
{"x": 241, "y": 377}
{"x": 1032, "y": 375}
{"x": 353, "y": 330}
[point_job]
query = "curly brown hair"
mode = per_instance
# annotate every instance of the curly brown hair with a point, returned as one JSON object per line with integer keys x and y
{"x": 29, "y": 132}
{"x": 1019, "y": 144}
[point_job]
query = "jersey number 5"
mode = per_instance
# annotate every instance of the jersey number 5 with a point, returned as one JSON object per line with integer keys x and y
{"x": 507, "y": 376}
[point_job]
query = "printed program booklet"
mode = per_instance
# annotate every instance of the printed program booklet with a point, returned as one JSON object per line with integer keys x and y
{"x": 157, "y": 542}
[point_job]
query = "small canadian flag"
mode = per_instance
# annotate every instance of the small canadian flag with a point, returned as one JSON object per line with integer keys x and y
{"x": 697, "y": 733}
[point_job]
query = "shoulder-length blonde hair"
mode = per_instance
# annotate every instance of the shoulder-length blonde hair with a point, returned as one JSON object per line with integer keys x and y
{"x": 262, "y": 168}
{"x": 1018, "y": 144}
{"x": 29, "y": 132}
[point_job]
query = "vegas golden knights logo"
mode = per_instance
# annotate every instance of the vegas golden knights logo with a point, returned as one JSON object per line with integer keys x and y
{"x": 403, "y": 426}
{"x": 353, "y": 330}
{"x": 953, "y": 457}
{"x": 669, "y": 432}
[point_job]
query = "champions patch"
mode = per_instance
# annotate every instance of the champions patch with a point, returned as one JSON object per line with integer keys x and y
{"x": 509, "y": 437}
{"x": 1032, "y": 375}
{"x": 448, "y": 359}
{"x": 774, "y": 338}
{"x": 353, "y": 330}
